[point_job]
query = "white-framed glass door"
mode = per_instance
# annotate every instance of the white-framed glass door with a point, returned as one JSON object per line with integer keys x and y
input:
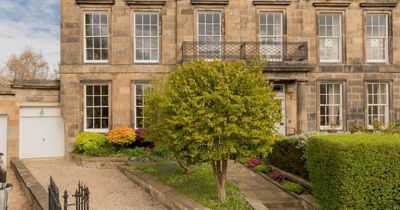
{"x": 271, "y": 36}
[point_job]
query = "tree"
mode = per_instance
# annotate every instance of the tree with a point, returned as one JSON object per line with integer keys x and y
{"x": 28, "y": 65}
{"x": 213, "y": 112}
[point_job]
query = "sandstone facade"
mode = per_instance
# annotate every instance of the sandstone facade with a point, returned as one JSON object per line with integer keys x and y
{"x": 240, "y": 22}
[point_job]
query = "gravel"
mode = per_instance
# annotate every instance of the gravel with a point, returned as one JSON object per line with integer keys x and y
{"x": 109, "y": 188}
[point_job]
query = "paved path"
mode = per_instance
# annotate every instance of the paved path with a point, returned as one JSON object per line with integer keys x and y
{"x": 109, "y": 188}
{"x": 260, "y": 191}
{"x": 16, "y": 197}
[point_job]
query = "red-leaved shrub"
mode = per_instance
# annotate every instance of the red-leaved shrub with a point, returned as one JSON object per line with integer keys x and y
{"x": 278, "y": 176}
{"x": 254, "y": 162}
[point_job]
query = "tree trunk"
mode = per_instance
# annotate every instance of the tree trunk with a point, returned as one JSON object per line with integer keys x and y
{"x": 219, "y": 168}
{"x": 185, "y": 166}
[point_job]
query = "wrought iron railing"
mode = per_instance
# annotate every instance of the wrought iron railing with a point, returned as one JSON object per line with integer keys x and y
{"x": 274, "y": 52}
{"x": 81, "y": 196}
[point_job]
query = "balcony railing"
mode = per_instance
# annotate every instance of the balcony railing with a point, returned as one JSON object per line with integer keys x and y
{"x": 275, "y": 52}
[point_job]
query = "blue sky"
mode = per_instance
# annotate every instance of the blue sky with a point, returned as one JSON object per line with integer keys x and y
{"x": 30, "y": 23}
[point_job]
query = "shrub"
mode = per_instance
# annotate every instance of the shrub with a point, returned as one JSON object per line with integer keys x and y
{"x": 293, "y": 187}
{"x": 357, "y": 171}
{"x": 87, "y": 142}
{"x": 278, "y": 176}
{"x": 288, "y": 155}
{"x": 263, "y": 168}
{"x": 140, "y": 141}
{"x": 253, "y": 163}
{"x": 121, "y": 136}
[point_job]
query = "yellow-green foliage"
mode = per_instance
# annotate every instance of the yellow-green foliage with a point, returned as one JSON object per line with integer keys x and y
{"x": 121, "y": 136}
{"x": 208, "y": 111}
{"x": 89, "y": 141}
{"x": 358, "y": 171}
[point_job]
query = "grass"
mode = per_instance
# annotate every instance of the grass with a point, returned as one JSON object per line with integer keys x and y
{"x": 200, "y": 185}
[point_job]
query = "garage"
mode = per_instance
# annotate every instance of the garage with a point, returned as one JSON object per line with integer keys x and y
{"x": 3, "y": 136}
{"x": 41, "y": 132}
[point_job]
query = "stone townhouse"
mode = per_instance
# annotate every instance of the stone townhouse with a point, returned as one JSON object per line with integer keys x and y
{"x": 334, "y": 64}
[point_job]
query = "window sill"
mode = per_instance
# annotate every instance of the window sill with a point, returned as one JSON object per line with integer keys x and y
{"x": 97, "y": 130}
{"x": 96, "y": 62}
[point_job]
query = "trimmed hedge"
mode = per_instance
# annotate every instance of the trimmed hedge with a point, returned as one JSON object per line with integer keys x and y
{"x": 355, "y": 171}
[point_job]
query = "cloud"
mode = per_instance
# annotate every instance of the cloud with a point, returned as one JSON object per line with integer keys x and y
{"x": 30, "y": 23}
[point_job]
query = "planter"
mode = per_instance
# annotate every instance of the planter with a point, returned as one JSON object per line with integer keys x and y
{"x": 100, "y": 162}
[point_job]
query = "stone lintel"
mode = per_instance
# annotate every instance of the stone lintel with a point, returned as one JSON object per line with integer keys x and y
{"x": 271, "y": 3}
{"x": 331, "y": 4}
{"x": 378, "y": 4}
{"x": 210, "y": 2}
{"x": 145, "y": 2}
{"x": 99, "y": 2}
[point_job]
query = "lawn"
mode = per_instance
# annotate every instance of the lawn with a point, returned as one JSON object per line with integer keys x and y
{"x": 200, "y": 185}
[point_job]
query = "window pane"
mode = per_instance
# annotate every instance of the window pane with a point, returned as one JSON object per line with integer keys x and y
{"x": 146, "y": 19}
{"x": 104, "y": 112}
{"x": 104, "y": 123}
{"x": 89, "y": 123}
{"x": 96, "y": 42}
{"x": 138, "y": 19}
{"x": 88, "y": 30}
{"x": 154, "y": 19}
{"x": 89, "y": 112}
{"x": 88, "y": 18}
{"x": 104, "y": 19}
{"x": 96, "y": 101}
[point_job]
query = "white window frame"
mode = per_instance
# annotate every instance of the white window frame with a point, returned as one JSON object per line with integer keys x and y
{"x": 135, "y": 60}
{"x": 85, "y": 36}
{"x": 265, "y": 48}
{"x": 386, "y": 105}
{"x": 212, "y": 56}
{"x": 340, "y": 105}
{"x": 386, "y": 38}
{"x": 340, "y": 38}
{"x": 97, "y": 130}
{"x": 145, "y": 85}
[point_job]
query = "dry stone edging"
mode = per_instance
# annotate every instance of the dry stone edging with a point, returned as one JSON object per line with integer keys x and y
{"x": 167, "y": 196}
{"x": 35, "y": 192}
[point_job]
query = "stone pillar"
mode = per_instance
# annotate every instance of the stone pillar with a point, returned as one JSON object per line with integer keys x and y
{"x": 301, "y": 107}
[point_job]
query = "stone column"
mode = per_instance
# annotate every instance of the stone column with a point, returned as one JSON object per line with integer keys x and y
{"x": 301, "y": 107}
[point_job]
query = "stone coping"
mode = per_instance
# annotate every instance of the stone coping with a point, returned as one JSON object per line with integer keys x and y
{"x": 271, "y": 3}
{"x": 294, "y": 178}
{"x": 35, "y": 192}
{"x": 145, "y": 2}
{"x": 164, "y": 194}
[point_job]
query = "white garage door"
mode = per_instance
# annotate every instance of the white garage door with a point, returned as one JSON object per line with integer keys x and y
{"x": 41, "y": 132}
{"x": 3, "y": 136}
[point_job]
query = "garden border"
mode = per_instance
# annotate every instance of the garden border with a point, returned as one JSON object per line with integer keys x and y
{"x": 100, "y": 162}
{"x": 167, "y": 196}
{"x": 35, "y": 192}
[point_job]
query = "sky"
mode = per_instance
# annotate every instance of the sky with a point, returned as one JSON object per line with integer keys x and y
{"x": 30, "y": 24}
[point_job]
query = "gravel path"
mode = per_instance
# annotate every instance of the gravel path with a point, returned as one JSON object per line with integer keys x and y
{"x": 16, "y": 197}
{"x": 109, "y": 188}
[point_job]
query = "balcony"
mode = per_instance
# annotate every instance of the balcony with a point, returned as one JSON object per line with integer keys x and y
{"x": 274, "y": 52}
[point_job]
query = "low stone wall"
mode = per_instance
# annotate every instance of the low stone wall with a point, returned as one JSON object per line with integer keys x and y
{"x": 167, "y": 196}
{"x": 35, "y": 192}
{"x": 100, "y": 162}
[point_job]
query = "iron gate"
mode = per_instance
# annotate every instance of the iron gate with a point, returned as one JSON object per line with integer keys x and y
{"x": 81, "y": 196}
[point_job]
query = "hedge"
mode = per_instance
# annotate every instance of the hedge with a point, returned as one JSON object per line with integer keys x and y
{"x": 288, "y": 155}
{"x": 355, "y": 171}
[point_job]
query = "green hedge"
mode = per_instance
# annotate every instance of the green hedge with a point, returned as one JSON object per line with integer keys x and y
{"x": 288, "y": 155}
{"x": 355, "y": 171}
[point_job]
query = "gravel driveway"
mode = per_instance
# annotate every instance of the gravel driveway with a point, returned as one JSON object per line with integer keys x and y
{"x": 109, "y": 188}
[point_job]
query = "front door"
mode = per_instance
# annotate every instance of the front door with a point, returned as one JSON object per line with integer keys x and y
{"x": 279, "y": 90}
{"x": 3, "y": 137}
